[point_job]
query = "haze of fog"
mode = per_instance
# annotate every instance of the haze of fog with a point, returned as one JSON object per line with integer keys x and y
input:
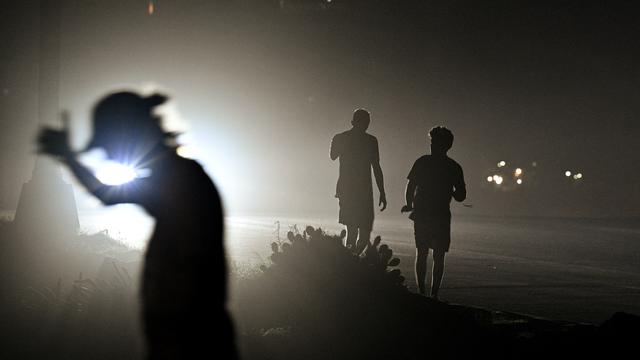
{"x": 263, "y": 88}
{"x": 541, "y": 97}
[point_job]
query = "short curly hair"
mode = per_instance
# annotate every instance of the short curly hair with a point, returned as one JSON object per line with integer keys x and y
{"x": 361, "y": 116}
{"x": 440, "y": 135}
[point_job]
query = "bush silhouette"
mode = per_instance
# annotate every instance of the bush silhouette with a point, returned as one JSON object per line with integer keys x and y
{"x": 326, "y": 302}
{"x": 315, "y": 286}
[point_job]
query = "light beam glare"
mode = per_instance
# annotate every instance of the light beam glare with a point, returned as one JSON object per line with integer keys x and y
{"x": 113, "y": 173}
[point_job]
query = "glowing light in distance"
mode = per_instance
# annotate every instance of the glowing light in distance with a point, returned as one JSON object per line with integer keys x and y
{"x": 116, "y": 174}
{"x": 502, "y": 163}
{"x": 567, "y": 173}
{"x": 151, "y": 8}
{"x": 497, "y": 179}
{"x": 518, "y": 172}
{"x": 519, "y": 181}
{"x": 489, "y": 178}
{"x": 577, "y": 176}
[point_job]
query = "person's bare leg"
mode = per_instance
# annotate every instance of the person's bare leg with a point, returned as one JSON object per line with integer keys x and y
{"x": 438, "y": 272}
{"x": 352, "y": 236}
{"x": 363, "y": 240}
{"x": 421, "y": 269}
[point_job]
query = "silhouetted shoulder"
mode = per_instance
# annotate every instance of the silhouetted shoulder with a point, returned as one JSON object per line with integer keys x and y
{"x": 427, "y": 164}
{"x": 196, "y": 173}
{"x": 188, "y": 165}
{"x": 193, "y": 166}
{"x": 342, "y": 134}
{"x": 456, "y": 171}
{"x": 454, "y": 165}
{"x": 423, "y": 159}
{"x": 338, "y": 144}
{"x": 418, "y": 165}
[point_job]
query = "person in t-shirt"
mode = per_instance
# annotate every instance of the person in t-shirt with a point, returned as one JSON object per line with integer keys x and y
{"x": 358, "y": 154}
{"x": 433, "y": 180}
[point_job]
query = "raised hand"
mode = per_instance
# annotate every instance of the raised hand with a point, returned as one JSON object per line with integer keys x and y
{"x": 55, "y": 142}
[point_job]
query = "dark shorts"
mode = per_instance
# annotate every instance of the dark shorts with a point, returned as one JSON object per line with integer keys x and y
{"x": 356, "y": 211}
{"x": 433, "y": 233}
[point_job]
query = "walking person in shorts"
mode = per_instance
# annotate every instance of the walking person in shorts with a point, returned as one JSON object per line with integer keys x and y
{"x": 358, "y": 154}
{"x": 433, "y": 180}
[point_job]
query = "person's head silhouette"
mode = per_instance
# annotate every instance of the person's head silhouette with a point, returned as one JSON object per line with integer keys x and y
{"x": 441, "y": 140}
{"x": 361, "y": 120}
{"x": 126, "y": 128}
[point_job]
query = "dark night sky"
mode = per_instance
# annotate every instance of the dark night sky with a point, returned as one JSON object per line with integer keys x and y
{"x": 264, "y": 87}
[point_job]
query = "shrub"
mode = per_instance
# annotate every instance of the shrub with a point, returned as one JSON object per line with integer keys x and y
{"x": 326, "y": 301}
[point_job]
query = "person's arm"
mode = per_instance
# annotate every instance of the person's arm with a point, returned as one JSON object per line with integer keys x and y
{"x": 336, "y": 149}
{"x": 409, "y": 194}
{"x": 55, "y": 143}
{"x": 410, "y": 190}
{"x": 377, "y": 173}
{"x": 459, "y": 187}
{"x": 108, "y": 195}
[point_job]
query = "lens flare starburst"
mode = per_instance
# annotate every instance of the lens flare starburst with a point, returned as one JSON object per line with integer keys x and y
{"x": 114, "y": 173}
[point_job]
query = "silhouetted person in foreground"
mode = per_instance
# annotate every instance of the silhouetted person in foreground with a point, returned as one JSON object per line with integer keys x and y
{"x": 184, "y": 282}
{"x": 358, "y": 153}
{"x": 433, "y": 180}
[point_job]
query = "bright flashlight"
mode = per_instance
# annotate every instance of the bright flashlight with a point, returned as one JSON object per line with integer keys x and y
{"x": 116, "y": 174}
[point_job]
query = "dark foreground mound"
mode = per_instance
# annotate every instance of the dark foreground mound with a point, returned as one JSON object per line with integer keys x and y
{"x": 70, "y": 297}
{"x": 319, "y": 301}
